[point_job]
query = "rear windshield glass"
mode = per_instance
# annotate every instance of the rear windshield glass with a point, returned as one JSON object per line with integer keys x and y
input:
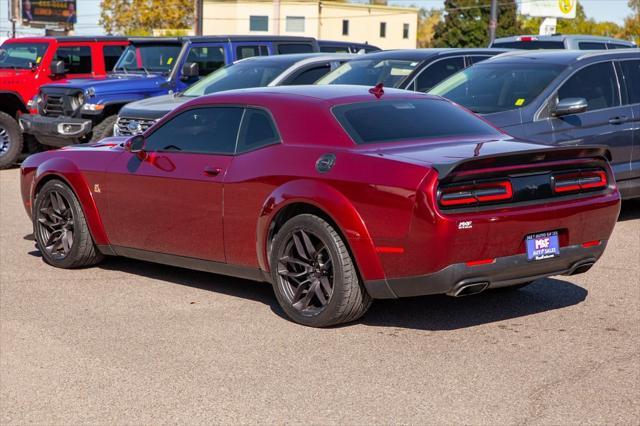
{"x": 370, "y": 72}
{"x": 529, "y": 45}
{"x": 401, "y": 120}
{"x": 489, "y": 87}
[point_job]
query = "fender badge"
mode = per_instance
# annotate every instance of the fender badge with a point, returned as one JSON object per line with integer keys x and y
{"x": 96, "y": 188}
{"x": 467, "y": 224}
{"x": 325, "y": 163}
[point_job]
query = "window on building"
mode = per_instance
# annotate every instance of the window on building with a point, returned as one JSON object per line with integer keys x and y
{"x": 111, "y": 56}
{"x": 258, "y": 23}
{"x": 383, "y": 29}
{"x": 345, "y": 27}
{"x": 405, "y": 30}
{"x": 295, "y": 24}
{"x": 77, "y": 60}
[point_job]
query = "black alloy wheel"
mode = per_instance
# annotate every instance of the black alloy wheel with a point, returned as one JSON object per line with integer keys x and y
{"x": 56, "y": 225}
{"x": 306, "y": 272}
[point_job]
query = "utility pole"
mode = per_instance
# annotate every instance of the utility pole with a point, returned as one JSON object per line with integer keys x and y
{"x": 493, "y": 21}
{"x": 198, "y": 11}
{"x": 15, "y": 15}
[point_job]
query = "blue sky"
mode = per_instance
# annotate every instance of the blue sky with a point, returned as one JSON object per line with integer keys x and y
{"x": 89, "y": 12}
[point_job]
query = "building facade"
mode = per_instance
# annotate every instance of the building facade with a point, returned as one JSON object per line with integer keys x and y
{"x": 384, "y": 26}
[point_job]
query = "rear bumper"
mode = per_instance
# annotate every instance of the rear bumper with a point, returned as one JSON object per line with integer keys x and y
{"x": 503, "y": 272}
{"x": 55, "y": 131}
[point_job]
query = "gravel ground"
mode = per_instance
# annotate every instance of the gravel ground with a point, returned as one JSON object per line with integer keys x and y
{"x": 138, "y": 343}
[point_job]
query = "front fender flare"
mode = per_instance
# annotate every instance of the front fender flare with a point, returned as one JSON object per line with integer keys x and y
{"x": 67, "y": 171}
{"x": 334, "y": 204}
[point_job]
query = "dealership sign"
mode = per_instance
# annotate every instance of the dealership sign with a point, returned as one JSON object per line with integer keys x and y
{"x": 49, "y": 11}
{"x": 549, "y": 8}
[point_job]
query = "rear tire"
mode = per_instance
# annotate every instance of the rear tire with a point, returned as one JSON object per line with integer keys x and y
{"x": 104, "y": 129}
{"x": 10, "y": 140}
{"x": 60, "y": 228}
{"x": 314, "y": 277}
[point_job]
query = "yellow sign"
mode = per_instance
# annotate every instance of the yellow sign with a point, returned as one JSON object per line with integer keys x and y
{"x": 565, "y": 6}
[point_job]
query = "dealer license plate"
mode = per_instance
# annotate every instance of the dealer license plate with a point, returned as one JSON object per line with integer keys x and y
{"x": 543, "y": 246}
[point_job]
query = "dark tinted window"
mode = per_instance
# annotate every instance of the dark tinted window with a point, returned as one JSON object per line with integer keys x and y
{"x": 258, "y": 23}
{"x": 334, "y": 49}
{"x": 257, "y": 131}
{"x": 77, "y": 60}
{"x": 208, "y": 58}
{"x": 111, "y": 56}
{"x": 631, "y": 72}
{"x": 596, "y": 83}
{"x": 589, "y": 45}
{"x": 249, "y": 51}
{"x": 369, "y": 72}
{"x": 345, "y": 27}
{"x": 237, "y": 76}
{"x": 477, "y": 58}
{"x": 310, "y": 75}
{"x": 529, "y": 45}
{"x": 383, "y": 29}
{"x": 489, "y": 87}
{"x": 200, "y": 130}
{"x": 617, "y": 46}
{"x": 286, "y": 49}
{"x": 393, "y": 121}
{"x": 405, "y": 30}
{"x": 149, "y": 57}
{"x": 436, "y": 72}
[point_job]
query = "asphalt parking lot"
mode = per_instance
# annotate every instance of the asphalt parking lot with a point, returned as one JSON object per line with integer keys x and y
{"x": 134, "y": 342}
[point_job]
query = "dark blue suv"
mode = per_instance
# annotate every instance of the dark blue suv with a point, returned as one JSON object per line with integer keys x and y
{"x": 561, "y": 98}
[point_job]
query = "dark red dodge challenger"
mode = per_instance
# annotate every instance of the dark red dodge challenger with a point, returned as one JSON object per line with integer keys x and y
{"x": 336, "y": 195}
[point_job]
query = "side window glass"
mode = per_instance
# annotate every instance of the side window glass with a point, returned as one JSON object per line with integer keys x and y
{"x": 437, "y": 72}
{"x": 589, "y": 45}
{"x": 617, "y": 46}
{"x": 77, "y": 60}
{"x": 111, "y": 56}
{"x": 208, "y": 58}
{"x": 310, "y": 75}
{"x": 286, "y": 49}
{"x": 596, "y": 83}
{"x": 476, "y": 59}
{"x": 211, "y": 130}
{"x": 249, "y": 51}
{"x": 257, "y": 131}
{"x": 631, "y": 72}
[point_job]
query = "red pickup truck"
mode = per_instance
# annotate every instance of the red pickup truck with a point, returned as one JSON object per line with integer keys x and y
{"x": 28, "y": 63}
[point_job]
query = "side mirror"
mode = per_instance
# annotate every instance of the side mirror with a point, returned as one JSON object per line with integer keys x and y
{"x": 190, "y": 69}
{"x": 135, "y": 145}
{"x": 570, "y": 106}
{"x": 57, "y": 68}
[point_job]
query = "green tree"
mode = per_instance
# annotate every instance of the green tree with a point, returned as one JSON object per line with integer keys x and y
{"x": 631, "y": 27}
{"x": 466, "y": 23}
{"x": 141, "y": 17}
{"x": 427, "y": 21}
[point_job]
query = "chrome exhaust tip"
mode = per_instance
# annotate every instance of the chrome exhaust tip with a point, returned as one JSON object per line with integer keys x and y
{"x": 468, "y": 289}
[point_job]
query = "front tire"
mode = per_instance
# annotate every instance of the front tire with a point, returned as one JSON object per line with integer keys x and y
{"x": 10, "y": 140}
{"x": 314, "y": 277}
{"x": 61, "y": 230}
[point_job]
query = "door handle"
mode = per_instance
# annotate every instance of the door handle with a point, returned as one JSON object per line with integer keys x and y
{"x": 212, "y": 171}
{"x": 618, "y": 120}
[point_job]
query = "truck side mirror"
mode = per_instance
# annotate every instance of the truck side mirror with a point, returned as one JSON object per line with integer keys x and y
{"x": 135, "y": 145}
{"x": 190, "y": 69}
{"x": 57, "y": 68}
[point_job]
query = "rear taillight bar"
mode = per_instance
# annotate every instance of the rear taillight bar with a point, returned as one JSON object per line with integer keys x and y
{"x": 471, "y": 194}
{"x": 579, "y": 181}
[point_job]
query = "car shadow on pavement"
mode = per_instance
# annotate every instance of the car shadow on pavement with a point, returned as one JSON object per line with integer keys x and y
{"x": 424, "y": 313}
{"x": 630, "y": 210}
{"x": 447, "y": 313}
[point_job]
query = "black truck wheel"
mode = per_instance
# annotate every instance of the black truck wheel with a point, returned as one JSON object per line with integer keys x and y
{"x": 10, "y": 140}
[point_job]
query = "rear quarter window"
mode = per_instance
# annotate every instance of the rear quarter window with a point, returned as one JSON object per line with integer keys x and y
{"x": 401, "y": 120}
{"x": 530, "y": 45}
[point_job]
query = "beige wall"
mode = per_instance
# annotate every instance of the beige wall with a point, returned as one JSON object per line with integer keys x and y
{"x": 323, "y": 20}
